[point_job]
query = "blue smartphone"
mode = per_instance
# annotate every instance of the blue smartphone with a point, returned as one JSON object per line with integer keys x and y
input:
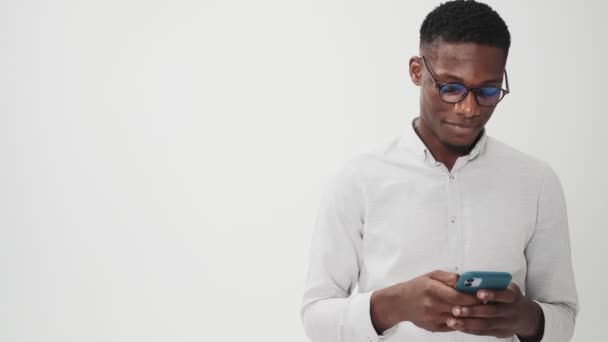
{"x": 472, "y": 281}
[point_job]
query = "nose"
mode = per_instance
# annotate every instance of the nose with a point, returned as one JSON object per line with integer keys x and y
{"x": 468, "y": 106}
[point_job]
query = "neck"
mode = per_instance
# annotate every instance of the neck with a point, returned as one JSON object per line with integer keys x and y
{"x": 443, "y": 153}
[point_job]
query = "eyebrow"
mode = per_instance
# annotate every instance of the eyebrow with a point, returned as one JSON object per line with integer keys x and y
{"x": 458, "y": 79}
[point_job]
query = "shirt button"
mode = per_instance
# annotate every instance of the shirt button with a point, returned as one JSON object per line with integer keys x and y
{"x": 453, "y": 219}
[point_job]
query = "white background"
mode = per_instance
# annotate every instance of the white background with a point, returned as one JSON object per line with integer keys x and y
{"x": 161, "y": 162}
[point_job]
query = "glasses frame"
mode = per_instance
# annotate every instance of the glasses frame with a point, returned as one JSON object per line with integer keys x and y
{"x": 468, "y": 89}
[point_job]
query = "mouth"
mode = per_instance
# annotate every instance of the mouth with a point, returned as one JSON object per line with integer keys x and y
{"x": 462, "y": 128}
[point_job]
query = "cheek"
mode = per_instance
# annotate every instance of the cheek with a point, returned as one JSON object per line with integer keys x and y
{"x": 432, "y": 103}
{"x": 440, "y": 111}
{"x": 486, "y": 114}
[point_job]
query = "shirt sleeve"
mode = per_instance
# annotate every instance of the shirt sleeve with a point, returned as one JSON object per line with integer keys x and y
{"x": 550, "y": 277}
{"x": 330, "y": 310}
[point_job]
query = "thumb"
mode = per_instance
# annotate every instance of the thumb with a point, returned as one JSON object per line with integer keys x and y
{"x": 447, "y": 278}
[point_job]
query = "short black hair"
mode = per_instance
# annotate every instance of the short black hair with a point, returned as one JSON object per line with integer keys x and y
{"x": 465, "y": 21}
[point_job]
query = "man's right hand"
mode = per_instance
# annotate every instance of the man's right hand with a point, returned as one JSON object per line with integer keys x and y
{"x": 426, "y": 301}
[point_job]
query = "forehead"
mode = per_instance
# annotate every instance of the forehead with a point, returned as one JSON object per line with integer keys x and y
{"x": 474, "y": 63}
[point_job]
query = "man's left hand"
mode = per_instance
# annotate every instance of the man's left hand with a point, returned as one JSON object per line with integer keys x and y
{"x": 507, "y": 312}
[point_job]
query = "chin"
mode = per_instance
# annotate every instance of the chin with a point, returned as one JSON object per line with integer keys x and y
{"x": 458, "y": 144}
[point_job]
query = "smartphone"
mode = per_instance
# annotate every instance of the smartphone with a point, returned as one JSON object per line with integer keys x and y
{"x": 472, "y": 281}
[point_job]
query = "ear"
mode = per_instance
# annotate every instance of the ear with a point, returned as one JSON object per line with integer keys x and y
{"x": 416, "y": 70}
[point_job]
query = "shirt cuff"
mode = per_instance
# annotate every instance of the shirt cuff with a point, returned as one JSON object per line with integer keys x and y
{"x": 358, "y": 318}
{"x": 551, "y": 332}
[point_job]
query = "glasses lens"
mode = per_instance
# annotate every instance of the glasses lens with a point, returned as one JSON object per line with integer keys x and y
{"x": 489, "y": 96}
{"x": 452, "y": 92}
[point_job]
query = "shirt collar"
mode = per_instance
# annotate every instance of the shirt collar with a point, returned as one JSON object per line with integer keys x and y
{"x": 411, "y": 141}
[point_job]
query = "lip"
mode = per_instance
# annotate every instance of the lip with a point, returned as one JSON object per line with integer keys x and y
{"x": 462, "y": 128}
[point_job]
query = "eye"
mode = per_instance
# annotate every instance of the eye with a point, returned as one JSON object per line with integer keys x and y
{"x": 489, "y": 91}
{"x": 489, "y": 96}
{"x": 452, "y": 89}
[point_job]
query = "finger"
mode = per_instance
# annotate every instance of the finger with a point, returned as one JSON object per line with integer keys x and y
{"x": 477, "y": 324}
{"x": 449, "y": 295}
{"x": 499, "y": 333}
{"x": 481, "y": 311}
{"x": 442, "y": 328}
{"x": 437, "y": 306}
{"x": 447, "y": 278}
{"x": 510, "y": 295}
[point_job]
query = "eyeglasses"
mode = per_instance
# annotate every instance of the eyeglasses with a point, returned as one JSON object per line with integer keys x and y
{"x": 454, "y": 92}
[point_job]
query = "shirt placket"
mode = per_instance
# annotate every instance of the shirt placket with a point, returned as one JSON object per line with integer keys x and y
{"x": 453, "y": 223}
{"x": 454, "y": 226}
{"x": 454, "y": 218}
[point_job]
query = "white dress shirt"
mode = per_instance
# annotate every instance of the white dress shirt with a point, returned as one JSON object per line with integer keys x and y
{"x": 393, "y": 213}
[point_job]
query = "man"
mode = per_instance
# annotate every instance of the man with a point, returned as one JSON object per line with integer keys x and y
{"x": 402, "y": 221}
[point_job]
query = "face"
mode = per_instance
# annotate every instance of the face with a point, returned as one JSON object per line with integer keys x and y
{"x": 455, "y": 125}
